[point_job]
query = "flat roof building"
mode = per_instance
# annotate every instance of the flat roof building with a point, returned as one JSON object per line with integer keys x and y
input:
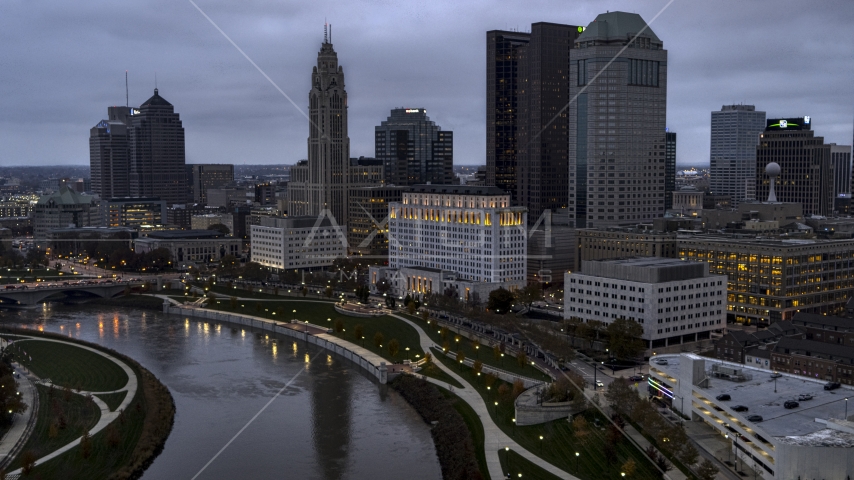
{"x": 675, "y": 301}
{"x": 810, "y": 441}
{"x": 297, "y": 243}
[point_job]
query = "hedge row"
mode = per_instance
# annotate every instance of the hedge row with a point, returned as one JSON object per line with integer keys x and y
{"x": 454, "y": 445}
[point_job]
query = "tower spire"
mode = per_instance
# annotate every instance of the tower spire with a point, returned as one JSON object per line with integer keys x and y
{"x": 325, "y": 38}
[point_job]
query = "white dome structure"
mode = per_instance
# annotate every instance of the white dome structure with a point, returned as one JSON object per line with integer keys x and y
{"x": 773, "y": 170}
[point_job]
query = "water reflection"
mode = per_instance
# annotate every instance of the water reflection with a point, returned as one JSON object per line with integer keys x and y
{"x": 221, "y": 379}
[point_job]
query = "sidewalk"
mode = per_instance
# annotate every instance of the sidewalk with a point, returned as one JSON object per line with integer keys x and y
{"x": 21, "y": 427}
{"x": 494, "y": 438}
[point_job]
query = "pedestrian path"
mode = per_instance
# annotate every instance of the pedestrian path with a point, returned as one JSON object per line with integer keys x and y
{"x": 494, "y": 438}
{"x": 22, "y": 425}
{"x": 107, "y": 416}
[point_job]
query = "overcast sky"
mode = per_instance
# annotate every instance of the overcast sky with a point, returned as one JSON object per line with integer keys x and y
{"x": 62, "y": 63}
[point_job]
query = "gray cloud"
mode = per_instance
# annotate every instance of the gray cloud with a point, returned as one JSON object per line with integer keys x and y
{"x": 63, "y": 63}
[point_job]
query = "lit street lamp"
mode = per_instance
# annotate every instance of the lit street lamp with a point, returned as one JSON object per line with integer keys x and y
{"x": 576, "y": 461}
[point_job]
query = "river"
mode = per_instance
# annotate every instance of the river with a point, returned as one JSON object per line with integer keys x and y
{"x": 330, "y": 423}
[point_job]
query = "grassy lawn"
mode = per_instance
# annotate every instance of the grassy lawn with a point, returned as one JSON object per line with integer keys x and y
{"x": 559, "y": 442}
{"x": 475, "y": 428}
{"x": 113, "y": 400}
{"x": 431, "y": 370}
{"x": 62, "y": 418}
{"x": 324, "y": 314}
{"x": 484, "y": 353}
{"x": 516, "y": 464}
{"x": 67, "y": 365}
{"x": 240, "y": 292}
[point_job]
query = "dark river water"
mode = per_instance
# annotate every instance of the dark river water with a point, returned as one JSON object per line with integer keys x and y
{"x": 332, "y": 422}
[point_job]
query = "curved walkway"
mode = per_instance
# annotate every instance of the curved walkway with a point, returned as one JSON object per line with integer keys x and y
{"x": 494, "y": 438}
{"x": 107, "y": 416}
{"x": 22, "y": 425}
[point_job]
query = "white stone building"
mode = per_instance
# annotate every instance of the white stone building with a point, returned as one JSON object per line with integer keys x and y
{"x": 202, "y": 222}
{"x": 468, "y": 237}
{"x": 675, "y": 301}
{"x": 297, "y": 242}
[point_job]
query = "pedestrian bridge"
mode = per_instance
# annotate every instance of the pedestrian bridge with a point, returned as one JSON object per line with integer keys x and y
{"x": 33, "y": 295}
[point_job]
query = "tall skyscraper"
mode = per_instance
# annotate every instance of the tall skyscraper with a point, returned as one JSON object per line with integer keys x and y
{"x": 542, "y": 168}
{"x": 806, "y": 168}
{"x": 669, "y": 168}
{"x": 735, "y": 134}
{"x": 157, "y": 162}
{"x": 321, "y": 182}
{"x": 617, "y": 134}
{"x": 413, "y": 149}
{"x": 203, "y": 176}
{"x": 502, "y": 90}
{"x": 109, "y": 154}
{"x": 527, "y": 125}
{"x": 840, "y": 155}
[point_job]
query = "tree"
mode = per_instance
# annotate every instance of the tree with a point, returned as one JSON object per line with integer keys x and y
{"x": 624, "y": 338}
{"x": 620, "y": 395}
{"x": 393, "y": 347}
{"x": 500, "y": 300}
{"x": 477, "y": 367}
{"x": 707, "y": 470}
{"x": 461, "y": 357}
{"x": 496, "y": 352}
{"x": 383, "y": 285}
{"x": 358, "y": 331}
{"x": 363, "y": 293}
{"x": 503, "y": 392}
{"x": 339, "y": 325}
{"x": 518, "y": 388}
{"x": 328, "y": 292}
{"x": 28, "y": 462}
{"x": 528, "y": 295}
{"x": 521, "y": 358}
{"x": 378, "y": 339}
{"x": 219, "y": 227}
{"x": 233, "y": 302}
{"x": 390, "y": 302}
{"x": 629, "y": 468}
{"x": 579, "y": 402}
{"x": 489, "y": 380}
{"x": 580, "y": 427}
{"x": 688, "y": 454}
{"x": 410, "y": 307}
{"x": 303, "y": 291}
{"x": 86, "y": 445}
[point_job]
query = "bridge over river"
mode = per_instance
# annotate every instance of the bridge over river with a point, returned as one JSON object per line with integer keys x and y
{"x": 35, "y": 294}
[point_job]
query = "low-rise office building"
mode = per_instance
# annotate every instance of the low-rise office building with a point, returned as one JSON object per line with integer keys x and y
{"x": 367, "y": 227}
{"x": 675, "y": 301}
{"x": 133, "y": 212}
{"x": 62, "y": 209}
{"x": 202, "y": 222}
{"x": 297, "y": 243}
{"x": 772, "y": 279}
{"x": 811, "y": 440}
{"x": 601, "y": 244}
{"x": 190, "y": 247}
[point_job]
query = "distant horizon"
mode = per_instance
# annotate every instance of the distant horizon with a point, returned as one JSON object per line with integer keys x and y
{"x": 270, "y": 164}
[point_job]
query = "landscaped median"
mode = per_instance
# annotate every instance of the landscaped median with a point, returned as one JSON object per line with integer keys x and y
{"x": 84, "y": 388}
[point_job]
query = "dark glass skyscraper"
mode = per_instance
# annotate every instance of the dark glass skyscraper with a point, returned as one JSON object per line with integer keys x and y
{"x": 502, "y": 86}
{"x": 527, "y": 122}
{"x": 414, "y": 150}
{"x": 109, "y": 154}
{"x": 669, "y": 169}
{"x": 157, "y": 161}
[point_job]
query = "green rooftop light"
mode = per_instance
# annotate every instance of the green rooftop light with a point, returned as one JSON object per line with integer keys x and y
{"x": 580, "y": 29}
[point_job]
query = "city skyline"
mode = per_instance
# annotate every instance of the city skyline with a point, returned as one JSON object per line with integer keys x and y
{"x": 220, "y": 92}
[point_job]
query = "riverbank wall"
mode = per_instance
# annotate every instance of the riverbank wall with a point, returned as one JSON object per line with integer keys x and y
{"x": 368, "y": 361}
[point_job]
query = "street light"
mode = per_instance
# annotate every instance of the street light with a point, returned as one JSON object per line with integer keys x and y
{"x": 541, "y": 444}
{"x": 729, "y": 455}
{"x": 846, "y": 409}
{"x": 507, "y": 454}
{"x": 576, "y": 461}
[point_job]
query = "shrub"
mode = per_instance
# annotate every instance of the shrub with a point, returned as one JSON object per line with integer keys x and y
{"x": 454, "y": 445}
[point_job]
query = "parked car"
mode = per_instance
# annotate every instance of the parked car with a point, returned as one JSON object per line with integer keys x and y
{"x": 791, "y": 404}
{"x": 660, "y": 361}
{"x": 599, "y": 384}
{"x": 804, "y": 397}
{"x": 723, "y": 397}
{"x": 754, "y": 418}
{"x": 831, "y": 385}
{"x": 740, "y": 408}
{"x": 636, "y": 378}
{"x": 776, "y": 375}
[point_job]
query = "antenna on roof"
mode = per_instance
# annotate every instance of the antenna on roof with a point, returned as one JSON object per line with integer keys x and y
{"x": 127, "y": 102}
{"x": 325, "y": 37}
{"x": 155, "y": 80}
{"x": 330, "y": 33}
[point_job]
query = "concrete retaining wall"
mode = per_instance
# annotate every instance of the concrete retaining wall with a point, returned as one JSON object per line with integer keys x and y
{"x": 380, "y": 372}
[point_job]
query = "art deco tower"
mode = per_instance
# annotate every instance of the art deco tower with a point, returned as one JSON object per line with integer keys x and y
{"x": 321, "y": 183}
